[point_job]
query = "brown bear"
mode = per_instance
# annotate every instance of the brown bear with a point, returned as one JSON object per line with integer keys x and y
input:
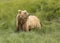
{"x": 26, "y": 22}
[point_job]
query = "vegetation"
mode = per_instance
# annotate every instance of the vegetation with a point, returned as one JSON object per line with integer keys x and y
{"x": 48, "y": 11}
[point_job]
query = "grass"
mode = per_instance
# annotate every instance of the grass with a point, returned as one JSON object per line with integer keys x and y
{"x": 47, "y": 11}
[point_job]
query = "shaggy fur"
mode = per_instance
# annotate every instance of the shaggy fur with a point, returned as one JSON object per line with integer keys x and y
{"x": 21, "y": 19}
{"x": 32, "y": 22}
{"x": 25, "y": 22}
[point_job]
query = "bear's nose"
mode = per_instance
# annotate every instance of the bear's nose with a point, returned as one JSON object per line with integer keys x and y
{"x": 20, "y": 16}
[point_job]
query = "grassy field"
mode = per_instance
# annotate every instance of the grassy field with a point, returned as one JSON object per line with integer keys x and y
{"x": 48, "y": 11}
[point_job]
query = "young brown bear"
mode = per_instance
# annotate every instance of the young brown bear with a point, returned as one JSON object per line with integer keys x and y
{"x": 26, "y": 22}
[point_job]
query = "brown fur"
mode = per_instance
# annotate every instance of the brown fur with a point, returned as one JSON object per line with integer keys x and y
{"x": 25, "y": 22}
{"x": 21, "y": 19}
{"x": 32, "y": 22}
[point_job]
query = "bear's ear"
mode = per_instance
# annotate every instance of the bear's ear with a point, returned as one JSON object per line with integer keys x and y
{"x": 25, "y": 12}
{"x": 19, "y": 11}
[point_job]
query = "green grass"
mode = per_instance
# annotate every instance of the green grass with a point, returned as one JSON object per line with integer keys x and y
{"x": 48, "y": 11}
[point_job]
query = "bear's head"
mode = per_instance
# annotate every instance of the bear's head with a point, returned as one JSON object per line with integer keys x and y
{"x": 23, "y": 14}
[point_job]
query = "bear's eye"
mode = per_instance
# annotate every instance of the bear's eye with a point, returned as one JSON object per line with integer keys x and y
{"x": 25, "y": 13}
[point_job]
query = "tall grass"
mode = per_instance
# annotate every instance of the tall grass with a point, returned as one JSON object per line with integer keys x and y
{"x": 48, "y": 11}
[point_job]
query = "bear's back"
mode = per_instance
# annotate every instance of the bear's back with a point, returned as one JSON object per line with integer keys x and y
{"x": 33, "y": 21}
{"x": 33, "y": 18}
